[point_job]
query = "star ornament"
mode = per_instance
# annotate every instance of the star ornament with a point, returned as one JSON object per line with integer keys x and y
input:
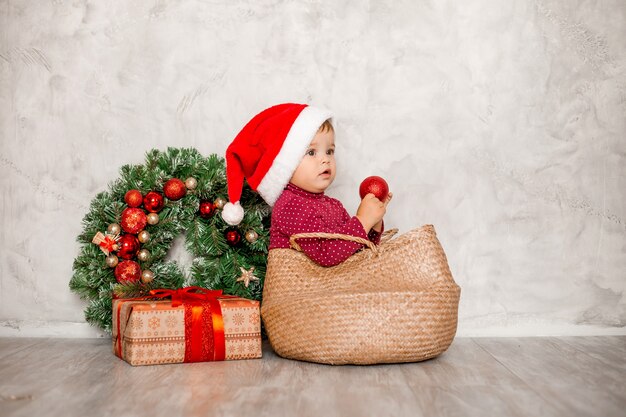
{"x": 247, "y": 276}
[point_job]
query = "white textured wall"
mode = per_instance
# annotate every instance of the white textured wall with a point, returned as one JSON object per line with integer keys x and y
{"x": 502, "y": 123}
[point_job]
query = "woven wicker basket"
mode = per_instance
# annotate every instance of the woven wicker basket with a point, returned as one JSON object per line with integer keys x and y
{"x": 396, "y": 302}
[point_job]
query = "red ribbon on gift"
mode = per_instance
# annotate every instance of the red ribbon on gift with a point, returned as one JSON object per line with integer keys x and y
{"x": 187, "y": 294}
{"x": 204, "y": 324}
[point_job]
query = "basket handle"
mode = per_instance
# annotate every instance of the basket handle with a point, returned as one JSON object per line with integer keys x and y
{"x": 322, "y": 235}
{"x": 387, "y": 235}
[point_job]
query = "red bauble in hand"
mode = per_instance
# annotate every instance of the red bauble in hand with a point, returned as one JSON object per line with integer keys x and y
{"x": 153, "y": 202}
{"x": 174, "y": 189}
{"x": 207, "y": 209}
{"x": 127, "y": 271}
{"x": 128, "y": 246}
{"x": 375, "y": 185}
{"x": 233, "y": 237}
{"x": 134, "y": 220}
{"x": 133, "y": 198}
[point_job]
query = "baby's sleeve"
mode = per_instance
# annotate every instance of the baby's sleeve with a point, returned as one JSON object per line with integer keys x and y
{"x": 375, "y": 236}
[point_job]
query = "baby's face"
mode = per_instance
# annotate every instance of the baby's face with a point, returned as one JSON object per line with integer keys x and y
{"x": 317, "y": 168}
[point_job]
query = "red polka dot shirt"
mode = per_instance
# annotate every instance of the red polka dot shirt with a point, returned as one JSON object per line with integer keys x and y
{"x": 299, "y": 211}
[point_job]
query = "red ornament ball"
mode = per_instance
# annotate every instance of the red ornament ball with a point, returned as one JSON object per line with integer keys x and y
{"x": 127, "y": 271}
{"x": 174, "y": 189}
{"x": 133, "y": 198}
{"x": 233, "y": 237}
{"x": 207, "y": 209}
{"x": 134, "y": 220}
{"x": 153, "y": 202}
{"x": 375, "y": 185}
{"x": 128, "y": 246}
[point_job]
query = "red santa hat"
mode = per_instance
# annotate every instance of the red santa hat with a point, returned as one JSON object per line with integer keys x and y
{"x": 267, "y": 152}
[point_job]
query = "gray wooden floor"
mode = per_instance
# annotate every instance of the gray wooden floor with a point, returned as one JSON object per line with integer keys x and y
{"x": 574, "y": 376}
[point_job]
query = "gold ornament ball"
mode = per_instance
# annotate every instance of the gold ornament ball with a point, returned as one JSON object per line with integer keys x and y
{"x": 114, "y": 229}
{"x": 144, "y": 236}
{"x": 143, "y": 255}
{"x": 112, "y": 261}
{"x": 251, "y": 236}
{"x": 147, "y": 276}
{"x": 153, "y": 218}
{"x": 220, "y": 203}
{"x": 191, "y": 183}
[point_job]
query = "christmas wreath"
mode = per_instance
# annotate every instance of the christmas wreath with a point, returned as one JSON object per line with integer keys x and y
{"x": 130, "y": 228}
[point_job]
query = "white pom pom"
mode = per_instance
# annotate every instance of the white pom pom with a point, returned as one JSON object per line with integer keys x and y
{"x": 232, "y": 213}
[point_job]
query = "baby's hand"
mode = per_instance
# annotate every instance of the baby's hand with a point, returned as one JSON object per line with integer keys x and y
{"x": 379, "y": 226}
{"x": 371, "y": 211}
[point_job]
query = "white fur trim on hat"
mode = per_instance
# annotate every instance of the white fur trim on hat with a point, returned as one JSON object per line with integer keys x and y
{"x": 232, "y": 213}
{"x": 285, "y": 163}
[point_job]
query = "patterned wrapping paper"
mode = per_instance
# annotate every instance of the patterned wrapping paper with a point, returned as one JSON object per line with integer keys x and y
{"x": 153, "y": 332}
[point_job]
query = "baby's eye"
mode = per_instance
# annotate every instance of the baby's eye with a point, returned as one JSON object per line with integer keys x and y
{"x": 330, "y": 152}
{"x": 311, "y": 152}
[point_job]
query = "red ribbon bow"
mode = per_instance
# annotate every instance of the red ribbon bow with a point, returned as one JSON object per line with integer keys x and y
{"x": 187, "y": 294}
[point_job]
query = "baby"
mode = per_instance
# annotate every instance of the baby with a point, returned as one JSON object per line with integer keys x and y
{"x": 287, "y": 154}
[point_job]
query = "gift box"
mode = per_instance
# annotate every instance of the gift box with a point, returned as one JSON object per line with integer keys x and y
{"x": 194, "y": 325}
